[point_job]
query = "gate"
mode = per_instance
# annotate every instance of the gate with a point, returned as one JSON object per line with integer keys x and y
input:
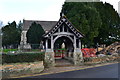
{"x": 59, "y": 53}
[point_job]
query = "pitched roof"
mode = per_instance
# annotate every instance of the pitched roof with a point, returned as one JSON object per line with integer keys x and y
{"x": 62, "y": 20}
{"x": 47, "y": 25}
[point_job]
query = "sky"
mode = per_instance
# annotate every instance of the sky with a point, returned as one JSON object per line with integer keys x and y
{"x": 47, "y": 10}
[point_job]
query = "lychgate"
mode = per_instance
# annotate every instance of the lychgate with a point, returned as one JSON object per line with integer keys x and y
{"x": 63, "y": 38}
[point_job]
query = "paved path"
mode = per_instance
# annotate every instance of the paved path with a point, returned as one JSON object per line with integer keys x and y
{"x": 108, "y": 71}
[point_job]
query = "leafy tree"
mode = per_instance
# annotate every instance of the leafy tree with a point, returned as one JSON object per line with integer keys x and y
{"x": 34, "y": 35}
{"x": 110, "y": 29}
{"x": 19, "y": 26}
{"x": 98, "y": 21}
{"x": 85, "y": 18}
{"x": 11, "y": 35}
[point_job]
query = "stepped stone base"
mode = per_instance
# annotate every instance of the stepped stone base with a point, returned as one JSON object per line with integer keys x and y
{"x": 49, "y": 60}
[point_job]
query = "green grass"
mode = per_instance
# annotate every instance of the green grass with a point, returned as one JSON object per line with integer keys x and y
{"x": 59, "y": 49}
{"x": 7, "y": 50}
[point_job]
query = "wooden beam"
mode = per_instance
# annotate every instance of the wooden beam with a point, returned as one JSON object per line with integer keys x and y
{"x": 46, "y": 44}
{"x": 74, "y": 43}
{"x": 63, "y": 33}
{"x": 63, "y": 29}
{"x": 59, "y": 30}
{"x": 79, "y": 43}
{"x": 52, "y": 42}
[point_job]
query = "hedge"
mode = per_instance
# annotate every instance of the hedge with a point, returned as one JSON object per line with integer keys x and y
{"x": 22, "y": 57}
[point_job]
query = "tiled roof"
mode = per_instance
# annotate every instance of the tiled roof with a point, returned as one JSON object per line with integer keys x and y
{"x": 64, "y": 20}
{"x": 47, "y": 25}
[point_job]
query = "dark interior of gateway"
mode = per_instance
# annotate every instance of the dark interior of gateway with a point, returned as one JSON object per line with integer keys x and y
{"x": 68, "y": 44}
{"x": 63, "y": 46}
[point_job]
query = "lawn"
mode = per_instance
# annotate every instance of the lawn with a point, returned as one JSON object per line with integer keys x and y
{"x": 7, "y": 50}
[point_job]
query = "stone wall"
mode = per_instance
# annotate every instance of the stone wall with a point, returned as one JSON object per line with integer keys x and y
{"x": 19, "y": 69}
{"x": 99, "y": 60}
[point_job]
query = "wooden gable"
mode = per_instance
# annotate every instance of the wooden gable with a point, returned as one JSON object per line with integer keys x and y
{"x": 64, "y": 22}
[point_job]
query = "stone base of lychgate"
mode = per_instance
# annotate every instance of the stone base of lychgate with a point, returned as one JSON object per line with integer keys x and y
{"x": 49, "y": 60}
{"x": 78, "y": 58}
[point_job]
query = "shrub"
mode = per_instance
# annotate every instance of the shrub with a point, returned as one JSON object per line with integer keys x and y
{"x": 23, "y": 57}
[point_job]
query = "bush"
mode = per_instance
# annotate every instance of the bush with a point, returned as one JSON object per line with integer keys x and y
{"x": 23, "y": 57}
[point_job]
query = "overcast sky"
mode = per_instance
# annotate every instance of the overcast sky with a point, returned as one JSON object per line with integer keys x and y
{"x": 49, "y": 10}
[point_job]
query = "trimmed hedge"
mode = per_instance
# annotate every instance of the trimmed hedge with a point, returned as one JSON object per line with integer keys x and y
{"x": 22, "y": 57}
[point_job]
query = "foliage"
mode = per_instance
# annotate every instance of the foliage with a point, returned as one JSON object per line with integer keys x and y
{"x": 110, "y": 29}
{"x": 97, "y": 21}
{"x": 19, "y": 26}
{"x": 11, "y": 35}
{"x": 34, "y": 34}
{"x": 86, "y": 19}
{"x": 23, "y": 57}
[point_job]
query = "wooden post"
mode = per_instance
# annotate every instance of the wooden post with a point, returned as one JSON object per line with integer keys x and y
{"x": 46, "y": 44}
{"x": 59, "y": 30}
{"x": 52, "y": 43}
{"x": 63, "y": 29}
{"x": 74, "y": 44}
{"x": 80, "y": 44}
{"x": 67, "y": 30}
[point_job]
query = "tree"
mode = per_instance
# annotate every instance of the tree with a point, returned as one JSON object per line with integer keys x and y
{"x": 98, "y": 21}
{"x": 34, "y": 35}
{"x": 85, "y": 18}
{"x": 11, "y": 35}
{"x": 1, "y": 24}
{"x": 19, "y": 26}
{"x": 110, "y": 29}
